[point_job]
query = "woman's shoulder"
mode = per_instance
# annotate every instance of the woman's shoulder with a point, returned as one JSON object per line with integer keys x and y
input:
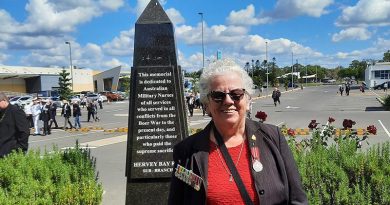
{"x": 271, "y": 131}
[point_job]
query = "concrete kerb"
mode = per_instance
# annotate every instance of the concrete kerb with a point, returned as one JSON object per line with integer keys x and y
{"x": 379, "y": 98}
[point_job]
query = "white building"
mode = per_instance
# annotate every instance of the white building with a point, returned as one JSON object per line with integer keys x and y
{"x": 377, "y": 73}
{"x": 23, "y": 79}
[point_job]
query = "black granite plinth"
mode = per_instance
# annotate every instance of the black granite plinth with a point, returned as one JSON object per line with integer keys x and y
{"x": 157, "y": 118}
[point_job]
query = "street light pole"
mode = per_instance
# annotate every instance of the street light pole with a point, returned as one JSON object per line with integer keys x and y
{"x": 296, "y": 69}
{"x": 70, "y": 60}
{"x": 306, "y": 70}
{"x": 292, "y": 69}
{"x": 253, "y": 67}
{"x": 201, "y": 17}
{"x": 266, "y": 61}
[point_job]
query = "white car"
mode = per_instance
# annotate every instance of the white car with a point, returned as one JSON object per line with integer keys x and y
{"x": 75, "y": 100}
{"x": 92, "y": 97}
{"x": 57, "y": 101}
{"x": 21, "y": 100}
{"x": 103, "y": 98}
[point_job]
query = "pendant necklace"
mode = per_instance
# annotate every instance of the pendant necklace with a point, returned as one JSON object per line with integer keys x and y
{"x": 222, "y": 161}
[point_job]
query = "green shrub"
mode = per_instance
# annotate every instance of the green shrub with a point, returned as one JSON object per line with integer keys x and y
{"x": 54, "y": 178}
{"x": 341, "y": 173}
{"x": 386, "y": 101}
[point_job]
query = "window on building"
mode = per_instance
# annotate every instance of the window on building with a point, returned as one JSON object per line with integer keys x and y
{"x": 382, "y": 74}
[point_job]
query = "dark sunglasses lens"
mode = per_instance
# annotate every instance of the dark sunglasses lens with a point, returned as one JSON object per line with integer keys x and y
{"x": 237, "y": 94}
{"x": 217, "y": 95}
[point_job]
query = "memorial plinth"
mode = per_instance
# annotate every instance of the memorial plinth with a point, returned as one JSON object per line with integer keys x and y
{"x": 157, "y": 117}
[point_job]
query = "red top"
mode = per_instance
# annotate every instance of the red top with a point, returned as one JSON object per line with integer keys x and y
{"x": 222, "y": 191}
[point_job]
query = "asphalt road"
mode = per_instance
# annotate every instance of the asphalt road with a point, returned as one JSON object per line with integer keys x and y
{"x": 296, "y": 110}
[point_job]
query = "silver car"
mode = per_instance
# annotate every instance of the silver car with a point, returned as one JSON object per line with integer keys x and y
{"x": 21, "y": 101}
{"x": 92, "y": 97}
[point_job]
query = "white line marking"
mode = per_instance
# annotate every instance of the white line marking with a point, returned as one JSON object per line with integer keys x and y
{"x": 104, "y": 142}
{"x": 375, "y": 93}
{"x": 121, "y": 115}
{"x": 50, "y": 139}
{"x": 387, "y": 132}
{"x": 81, "y": 147}
{"x": 291, "y": 107}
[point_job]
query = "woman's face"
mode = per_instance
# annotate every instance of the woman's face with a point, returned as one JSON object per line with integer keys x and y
{"x": 226, "y": 111}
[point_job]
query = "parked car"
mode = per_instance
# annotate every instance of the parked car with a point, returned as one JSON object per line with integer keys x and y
{"x": 111, "y": 96}
{"x": 14, "y": 100}
{"x": 21, "y": 100}
{"x": 103, "y": 97}
{"x": 380, "y": 86}
{"x": 75, "y": 99}
{"x": 92, "y": 96}
{"x": 122, "y": 94}
{"x": 295, "y": 85}
{"x": 57, "y": 101}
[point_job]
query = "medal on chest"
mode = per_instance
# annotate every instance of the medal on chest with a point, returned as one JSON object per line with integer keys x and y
{"x": 255, "y": 152}
{"x": 188, "y": 177}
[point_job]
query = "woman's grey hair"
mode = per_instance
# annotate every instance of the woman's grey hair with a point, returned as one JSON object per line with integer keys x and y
{"x": 221, "y": 67}
{"x": 3, "y": 97}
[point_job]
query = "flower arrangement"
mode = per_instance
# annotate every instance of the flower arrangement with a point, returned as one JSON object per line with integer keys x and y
{"x": 347, "y": 123}
{"x": 321, "y": 136}
{"x": 262, "y": 116}
{"x": 313, "y": 124}
{"x": 335, "y": 170}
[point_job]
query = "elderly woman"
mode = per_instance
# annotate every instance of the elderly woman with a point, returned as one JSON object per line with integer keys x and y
{"x": 234, "y": 160}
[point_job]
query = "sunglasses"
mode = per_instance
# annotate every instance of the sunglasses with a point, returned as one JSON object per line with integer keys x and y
{"x": 219, "y": 96}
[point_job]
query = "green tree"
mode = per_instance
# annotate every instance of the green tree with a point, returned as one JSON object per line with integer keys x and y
{"x": 64, "y": 91}
{"x": 358, "y": 68}
{"x": 126, "y": 84}
{"x": 386, "y": 56}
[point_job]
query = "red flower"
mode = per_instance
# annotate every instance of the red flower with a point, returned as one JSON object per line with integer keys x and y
{"x": 262, "y": 116}
{"x": 331, "y": 119}
{"x": 291, "y": 132}
{"x": 347, "y": 123}
{"x": 371, "y": 129}
{"x": 313, "y": 124}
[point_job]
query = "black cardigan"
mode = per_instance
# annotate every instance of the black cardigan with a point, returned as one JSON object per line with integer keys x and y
{"x": 14, "y": 130}
{"x": 278, "y": 183}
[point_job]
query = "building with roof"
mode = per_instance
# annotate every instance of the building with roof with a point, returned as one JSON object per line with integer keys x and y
{"x": 377, "y": 73}
{"x": 22, "y": 79}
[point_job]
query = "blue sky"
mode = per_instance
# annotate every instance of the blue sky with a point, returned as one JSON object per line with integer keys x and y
{"x": 329, "y": 33}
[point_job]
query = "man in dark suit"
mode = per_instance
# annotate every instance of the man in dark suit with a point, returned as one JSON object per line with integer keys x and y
{"x": 14, "y": 127}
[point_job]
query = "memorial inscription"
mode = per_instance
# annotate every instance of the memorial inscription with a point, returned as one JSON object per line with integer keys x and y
{"x": 155, "y": 130}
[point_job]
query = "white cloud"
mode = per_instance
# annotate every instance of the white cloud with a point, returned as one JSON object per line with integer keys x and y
{"x": 290, "y": 8}
{"x": 353, "y": 33}
{"x": 92, "y": 51}
{"x": 122, "y": 45}
{"x": 175, "y": 16}
{"x": 366, "y": 12}
{"x": 246, "y": 17}
{"x": 44, "y": 17}
{"x": 3, "y": 58}
{"x": 111, "y": 4}
{"x": 114, "y": 63}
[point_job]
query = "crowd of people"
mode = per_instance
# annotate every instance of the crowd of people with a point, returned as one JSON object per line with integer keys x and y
{"x": 193, "y": 102}
{"x": 41, "y": 114}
